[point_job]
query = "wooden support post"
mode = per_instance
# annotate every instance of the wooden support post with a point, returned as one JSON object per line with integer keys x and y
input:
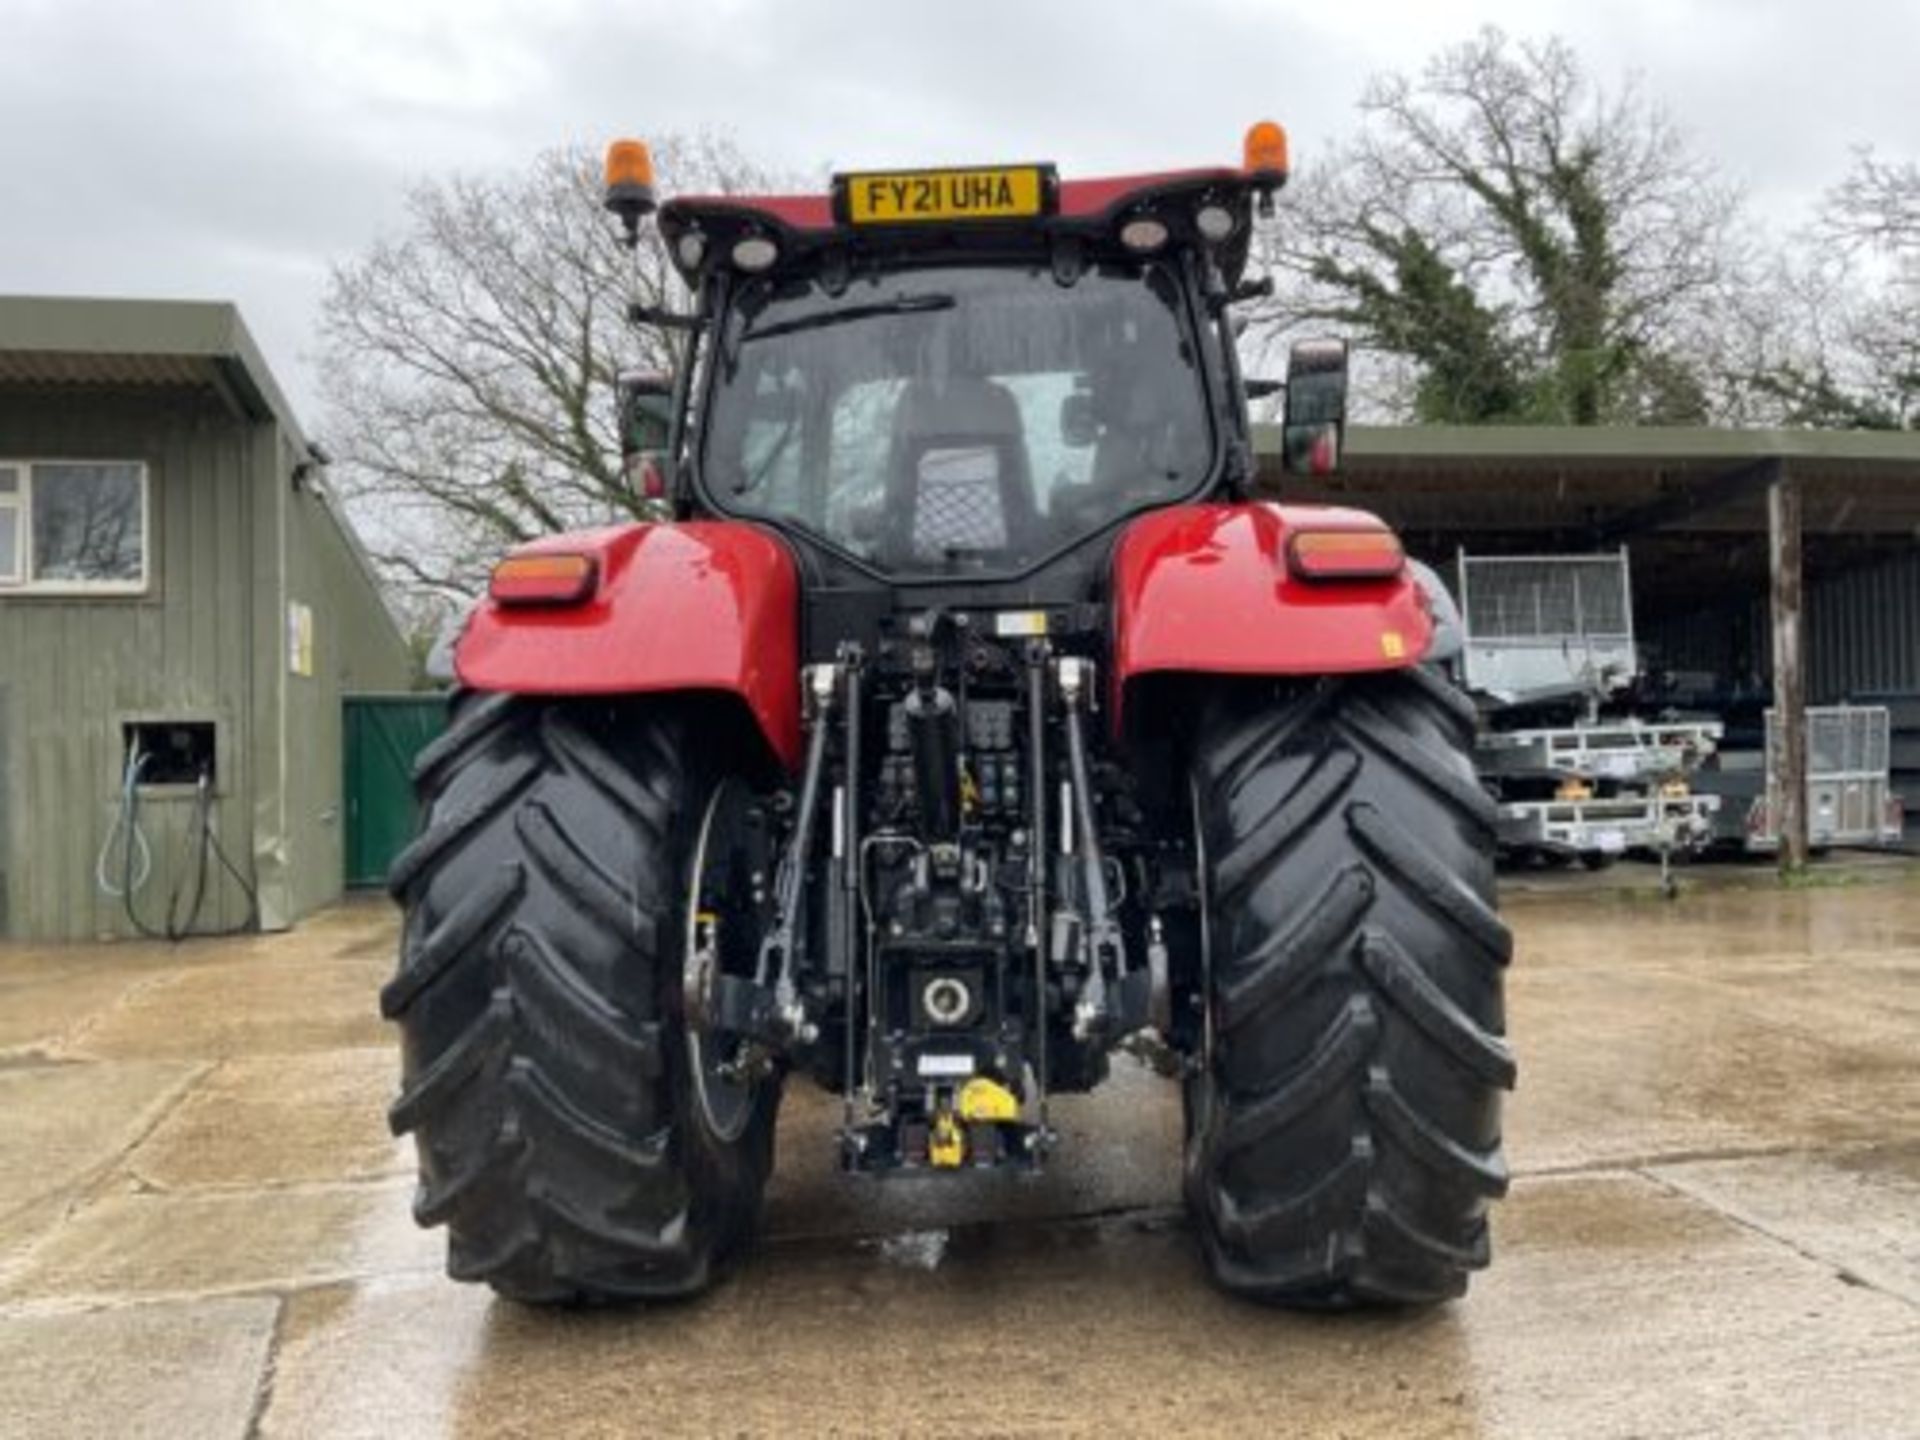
{"x": 1789, "y": 666}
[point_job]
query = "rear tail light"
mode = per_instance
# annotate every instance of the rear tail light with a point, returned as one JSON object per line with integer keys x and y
{"x": 1345, "y": 555}
{"x": 543, "y": 579}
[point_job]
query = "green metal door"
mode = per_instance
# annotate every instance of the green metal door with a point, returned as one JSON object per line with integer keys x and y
{"x": 383, "y": 734}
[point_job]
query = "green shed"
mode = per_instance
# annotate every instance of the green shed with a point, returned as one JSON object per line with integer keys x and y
{"x": 181, "y": 603}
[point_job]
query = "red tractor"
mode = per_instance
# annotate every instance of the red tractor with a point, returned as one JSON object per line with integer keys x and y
{"x": 973, "y": 718}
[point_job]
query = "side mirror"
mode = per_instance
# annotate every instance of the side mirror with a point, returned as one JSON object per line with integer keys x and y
{"x": 646, "y": 412}
{"x": 1315, "y": 422}
{"x": 645, "y": 401}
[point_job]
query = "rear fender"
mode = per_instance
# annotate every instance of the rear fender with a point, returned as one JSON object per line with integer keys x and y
{"x": 710, "y": 606}
{"x": 1205, "y": 589}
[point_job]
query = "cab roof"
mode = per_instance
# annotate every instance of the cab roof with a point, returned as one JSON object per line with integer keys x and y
{"x": 1092, "y": 209}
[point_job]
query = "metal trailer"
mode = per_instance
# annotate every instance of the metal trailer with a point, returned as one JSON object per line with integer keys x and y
{"x": 1540, "y": 626}
{"x": 1545, "y": 628}
{"x": 1628, "y": 751}
{"x": 1596, "y": 829}
{"x": 1903, "y": 749}
{"x": 1850, "y": 796}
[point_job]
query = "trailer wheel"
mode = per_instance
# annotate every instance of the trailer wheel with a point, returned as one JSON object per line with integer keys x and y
{"x": 1344, "y": 1126}
{"x": 545, "y": 1076}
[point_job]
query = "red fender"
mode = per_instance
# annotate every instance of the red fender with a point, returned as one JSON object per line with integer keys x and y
{"x": 706, "y": 605}
{"x": 1206, "y": 588}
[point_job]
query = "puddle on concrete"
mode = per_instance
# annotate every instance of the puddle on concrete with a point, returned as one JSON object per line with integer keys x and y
{"x": 33, "y": 1060}
{"x": 915, "y": 1250}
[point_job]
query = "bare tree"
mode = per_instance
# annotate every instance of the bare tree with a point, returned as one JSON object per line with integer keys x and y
{"x": 1534, "y": 248}
{"x": 1877, "y": 206}
{"x": 1840, "y": 335}
{"x": 468, "y": 362}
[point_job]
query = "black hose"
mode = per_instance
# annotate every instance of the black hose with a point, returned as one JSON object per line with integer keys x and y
{"x": 130, "y": 816}
{"x": 210, "y": 848}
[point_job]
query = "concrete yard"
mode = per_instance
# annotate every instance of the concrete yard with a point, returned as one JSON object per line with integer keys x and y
{"x": 1714, "y": 1227}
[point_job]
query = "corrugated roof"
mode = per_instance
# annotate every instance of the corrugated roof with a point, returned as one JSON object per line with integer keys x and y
{"x": 1520, "y": 478}
{"x": 1692, "y": 502}
{"x": 1604, "y": 444}
{"x": 76, "y": 340}
{"x": 56, "y": 367}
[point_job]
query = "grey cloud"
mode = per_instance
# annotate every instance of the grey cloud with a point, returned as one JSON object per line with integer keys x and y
{"x": 231, "y": 150}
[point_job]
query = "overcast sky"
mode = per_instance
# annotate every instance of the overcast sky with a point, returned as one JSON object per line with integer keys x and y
{"x": 230, "y": 149}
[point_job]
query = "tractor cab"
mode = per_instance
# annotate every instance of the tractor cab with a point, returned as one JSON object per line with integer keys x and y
{"x": 962, "y": 376}
{"x": 946, "y": 420}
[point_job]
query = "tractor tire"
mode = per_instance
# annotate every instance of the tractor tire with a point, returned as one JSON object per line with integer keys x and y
{"x": 1344, "y": 1125}
{"x": 544, "y": 1074}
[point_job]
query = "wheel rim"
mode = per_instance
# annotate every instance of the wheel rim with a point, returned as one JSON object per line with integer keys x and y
{"x": 715, "y": 888}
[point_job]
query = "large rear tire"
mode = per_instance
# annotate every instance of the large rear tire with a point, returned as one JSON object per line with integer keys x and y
{"x": 545, "y": 1075}
{"x": 1344, "y": 1129}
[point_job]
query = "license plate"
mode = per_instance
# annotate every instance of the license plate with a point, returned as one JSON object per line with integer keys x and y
{"x": 945, "y": 1067}
{"x": 908, "y": 197}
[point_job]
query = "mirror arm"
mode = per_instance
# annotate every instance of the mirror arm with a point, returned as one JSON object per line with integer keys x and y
{"x": 640, "y": 313}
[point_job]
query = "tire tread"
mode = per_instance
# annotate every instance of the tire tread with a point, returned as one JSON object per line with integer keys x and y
{"x": 1349, "y": 1148}
{"x": 538, "y": 1059}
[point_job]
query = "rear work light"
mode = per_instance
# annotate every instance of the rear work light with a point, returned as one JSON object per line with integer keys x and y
{"x": 1144, "y": 234}
{"x": 1214, "y": 222}
{"x": 543, "y": 579}
{"x": 1345, "y": 554}
{"x": 755, "y": 254}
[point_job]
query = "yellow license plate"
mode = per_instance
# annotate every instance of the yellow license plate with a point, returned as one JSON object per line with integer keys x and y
{"x": 908, "y": 197}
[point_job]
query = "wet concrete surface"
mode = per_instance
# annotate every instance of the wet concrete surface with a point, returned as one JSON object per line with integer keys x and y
{"x": 1714, "y": 1228}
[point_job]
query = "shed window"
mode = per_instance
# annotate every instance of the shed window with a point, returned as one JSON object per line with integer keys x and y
{"x": 73, "y": 526}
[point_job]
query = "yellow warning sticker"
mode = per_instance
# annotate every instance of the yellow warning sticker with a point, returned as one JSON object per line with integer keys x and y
{"x": 1392, "y": 645}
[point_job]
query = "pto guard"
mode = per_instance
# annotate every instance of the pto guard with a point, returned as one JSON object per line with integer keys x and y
{"x": 700, "y": 606}
{"x": 1206, "y": 589}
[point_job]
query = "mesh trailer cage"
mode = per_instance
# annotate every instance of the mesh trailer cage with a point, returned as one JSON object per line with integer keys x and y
{"x": 1849, "y": 787}
{"x": 1544, "y": 624}
{"x": 1843, "y": 741}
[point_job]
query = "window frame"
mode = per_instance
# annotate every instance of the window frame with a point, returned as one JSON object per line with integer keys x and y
{"x": 23, "y": 582}
{"x": 15, "y": 502}
{"x": 1196, "y": 326}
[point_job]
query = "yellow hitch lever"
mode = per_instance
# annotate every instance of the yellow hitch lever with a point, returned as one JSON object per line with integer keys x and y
{"x": 947, "y": 1142}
